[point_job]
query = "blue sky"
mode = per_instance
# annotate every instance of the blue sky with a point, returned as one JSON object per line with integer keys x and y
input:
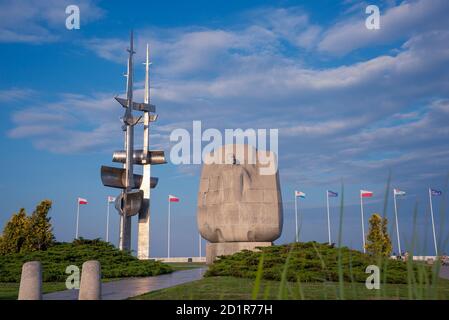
{"x": 350, "y": 104}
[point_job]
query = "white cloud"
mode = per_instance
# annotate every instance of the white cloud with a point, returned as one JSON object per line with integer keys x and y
{"x": 36, "y": 21}
{"x": 15, "y": 94}
{"x": 323, "y": 128}
{"x": 396, "y": 23}
{"x": 339, "y": 120}
{"x": 109, "y": 49}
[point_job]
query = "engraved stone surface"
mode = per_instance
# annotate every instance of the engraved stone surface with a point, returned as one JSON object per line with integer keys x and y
{"x": 236, "y": 203}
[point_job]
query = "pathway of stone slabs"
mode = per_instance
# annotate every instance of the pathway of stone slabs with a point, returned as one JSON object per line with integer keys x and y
{"x": 131, "y": 287}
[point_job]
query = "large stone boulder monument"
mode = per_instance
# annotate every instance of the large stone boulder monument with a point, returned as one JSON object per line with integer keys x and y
{"x": 239, "y": 205}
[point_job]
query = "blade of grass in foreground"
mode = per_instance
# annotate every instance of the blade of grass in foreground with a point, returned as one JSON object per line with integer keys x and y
{"x": 351, "y": 275}
{"x": 266, "y": 292}
{"x": 323, "y": 264}
{"x": 410, "y": 270}
{"x": 283, "y": 284}
{"x": 387, "y": 192}
{"x": 443, "y": 202}
{"x": 259, "y": 275}
{"x": 341, "y": 283}
{"x": 323, "y": 267}
{"x": 381, "y": 261}
{"x": 441, "y": 243}
{"x": 300, "y": 289}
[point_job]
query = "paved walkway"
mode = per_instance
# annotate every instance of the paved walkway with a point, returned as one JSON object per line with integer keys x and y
{"x": 131, "y": 287}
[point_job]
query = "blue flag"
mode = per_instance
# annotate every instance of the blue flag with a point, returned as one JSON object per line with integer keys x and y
{"x": 434, "y": 192}
{"x": 332, "y": 194}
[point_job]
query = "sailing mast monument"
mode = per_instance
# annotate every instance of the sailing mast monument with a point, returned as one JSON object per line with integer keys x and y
{"x": 134, "y": 198}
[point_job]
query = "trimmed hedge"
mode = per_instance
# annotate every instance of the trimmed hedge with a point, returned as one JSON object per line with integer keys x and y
{"x": 311, "y": 262}
{"x": 114, "y": 263}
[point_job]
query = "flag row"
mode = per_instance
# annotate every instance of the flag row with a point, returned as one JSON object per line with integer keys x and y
{"x": 171, "y": 198}
{"x": 370, "y": 194}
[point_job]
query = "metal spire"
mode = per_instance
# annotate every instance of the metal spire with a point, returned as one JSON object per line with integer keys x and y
{"x": 129, "y": 82}
{"x": 143, "y": 245}
{"x": 135, "y": 196}
{"x": 128, "y": 118}
{"x": 146, "y": 115}
{"x": 147, "y": 64}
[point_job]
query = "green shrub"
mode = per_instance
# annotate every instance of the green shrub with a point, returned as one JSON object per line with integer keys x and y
{"x": 24, "y": 233}
{"x": 114, "y": 263}
{"x": 310, "y": 262}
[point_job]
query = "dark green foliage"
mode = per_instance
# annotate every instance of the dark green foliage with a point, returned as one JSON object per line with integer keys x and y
{"x": 81, "y": 241}
{"x": 15, "y": 233}
{"x": 25, "y": 233}
{"x": 40, "y": 232}
{"x": 114, "y": 263}
{"x": 308, "y": 262}
{"x": 378, "y": 240}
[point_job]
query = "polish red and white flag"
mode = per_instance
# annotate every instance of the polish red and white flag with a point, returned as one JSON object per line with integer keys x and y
{"x": 172, "y": 198}
{"x": 366, "y": 194}
{"x": 82, "y": 201}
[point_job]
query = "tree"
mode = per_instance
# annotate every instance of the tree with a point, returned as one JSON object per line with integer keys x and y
{"x": 40, "y": 231}
{"x": 15, "y": 233}
{"x": 387, "y": 247}
{"x": 378, "y": 240}
{"x": 28, "y": 233}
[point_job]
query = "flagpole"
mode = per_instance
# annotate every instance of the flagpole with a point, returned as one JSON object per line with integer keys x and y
{"x": 77, "y": 218}
{"x": 107, "y": 223}
{"x": 328, "y": 218}
{"x": 433, "y": 223}
{"x": 168, "y": 239}
{"x": 296, "y": 218}
{"x": 363, "y": 223}
{"x": 397, "y": 224}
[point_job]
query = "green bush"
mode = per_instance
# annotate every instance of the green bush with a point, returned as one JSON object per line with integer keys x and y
{"x": 310, "y": 262}
{"x": 24, "y": 233}
{"x": 114, "y": 263}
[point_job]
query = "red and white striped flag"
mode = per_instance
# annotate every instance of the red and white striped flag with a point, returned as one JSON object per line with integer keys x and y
{"x": 172, "y": 198}
{"x": 111, "y": 199}
{"x": 300, "y": 194}
{"x": 366, "y": 194}
{"x": 82, "y": 201}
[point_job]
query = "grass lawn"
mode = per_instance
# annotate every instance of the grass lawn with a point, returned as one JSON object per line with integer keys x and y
{"x": 232, "y": 288}
{"x": 55, "y": 260}
{"x": 10, "y": 291}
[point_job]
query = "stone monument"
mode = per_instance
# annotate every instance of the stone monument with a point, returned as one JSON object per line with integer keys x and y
{"x": 238, "y": 207}
{"x": 134, "y": 198}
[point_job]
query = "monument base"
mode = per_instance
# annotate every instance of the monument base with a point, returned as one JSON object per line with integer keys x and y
{"x": 213, "y": 250}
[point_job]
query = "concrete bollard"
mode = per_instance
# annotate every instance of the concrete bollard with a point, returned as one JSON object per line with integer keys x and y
{"x": 31, "y": 281}
{"x": 90, "y": 287}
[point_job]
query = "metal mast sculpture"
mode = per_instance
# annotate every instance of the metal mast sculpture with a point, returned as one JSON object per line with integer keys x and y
{"x": 135, "y": 196}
